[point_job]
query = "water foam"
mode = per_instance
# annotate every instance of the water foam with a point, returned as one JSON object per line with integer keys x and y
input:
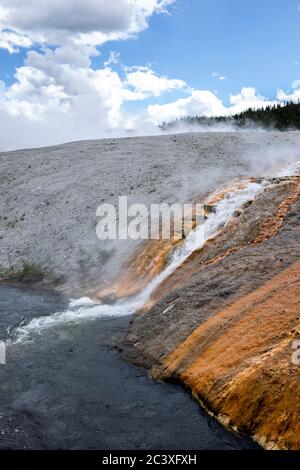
{"x": 86, "y": 309}
{"x": 197, "y": 238}
{"x": 78, "y": 311}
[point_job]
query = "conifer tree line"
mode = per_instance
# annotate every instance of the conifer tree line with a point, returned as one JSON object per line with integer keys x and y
{"x": 278, "y": 117}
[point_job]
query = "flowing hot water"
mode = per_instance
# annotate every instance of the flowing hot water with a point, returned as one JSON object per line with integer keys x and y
{"x": 86, "y": 309}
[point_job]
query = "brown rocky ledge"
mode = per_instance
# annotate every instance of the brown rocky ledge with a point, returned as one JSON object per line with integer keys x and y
{"x": 224, "y": 323}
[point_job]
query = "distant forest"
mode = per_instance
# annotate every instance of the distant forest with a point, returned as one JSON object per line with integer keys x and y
{"x": 278, "y": 117}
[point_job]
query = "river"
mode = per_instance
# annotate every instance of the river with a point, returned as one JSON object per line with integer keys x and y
{"x": 67, "y": 387}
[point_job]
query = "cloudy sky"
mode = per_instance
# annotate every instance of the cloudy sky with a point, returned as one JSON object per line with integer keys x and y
{"x": 80, "y": 69}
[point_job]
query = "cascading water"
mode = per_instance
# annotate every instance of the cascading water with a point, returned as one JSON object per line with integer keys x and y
{"x": 87, "y": 309}
{"x": 197, "y": 238}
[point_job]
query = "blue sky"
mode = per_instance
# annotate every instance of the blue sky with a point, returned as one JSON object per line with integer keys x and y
{"x": 252, "y": 43}
{"x": 171, "y": 58}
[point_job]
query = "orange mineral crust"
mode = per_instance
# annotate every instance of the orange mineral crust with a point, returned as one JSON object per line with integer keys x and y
{"x": 252, "y": 225}
{"x": 150, "y": 258}
{"x": 240, "y": 364}
{"x": 224, "y": 323}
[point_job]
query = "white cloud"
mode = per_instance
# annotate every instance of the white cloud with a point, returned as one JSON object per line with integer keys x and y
{"x": 113, "y": 59}
{"x": 199, "y": 103}
{"x": 218, "y": 76}
{"x": 290, "y": 96}
{"x": 248, "y": 98}
{"x": 13, "y": 42}
{"x": 296, "y": 84}
{"x": 2, "y": 90}
{"x": 88, "y": 22}
{"x": 58, "y": 96}
{"x": 206, "y": 103}
{"x": 60, "y": 80}
{"x": 145, "y": 82}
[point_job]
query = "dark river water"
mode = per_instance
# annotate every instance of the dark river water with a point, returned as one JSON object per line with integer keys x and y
{"x": 70, "y": 389}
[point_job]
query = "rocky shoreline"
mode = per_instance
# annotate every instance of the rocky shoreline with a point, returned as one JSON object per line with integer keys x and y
{"x": 224, "y": 323}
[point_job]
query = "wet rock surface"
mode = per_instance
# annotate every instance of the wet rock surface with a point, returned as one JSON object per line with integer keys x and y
{"x": 246, "y": 257}
{"x": 68, "y": 388}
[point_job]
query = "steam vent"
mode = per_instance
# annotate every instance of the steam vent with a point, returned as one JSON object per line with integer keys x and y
{"x": 224, "y": 322}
